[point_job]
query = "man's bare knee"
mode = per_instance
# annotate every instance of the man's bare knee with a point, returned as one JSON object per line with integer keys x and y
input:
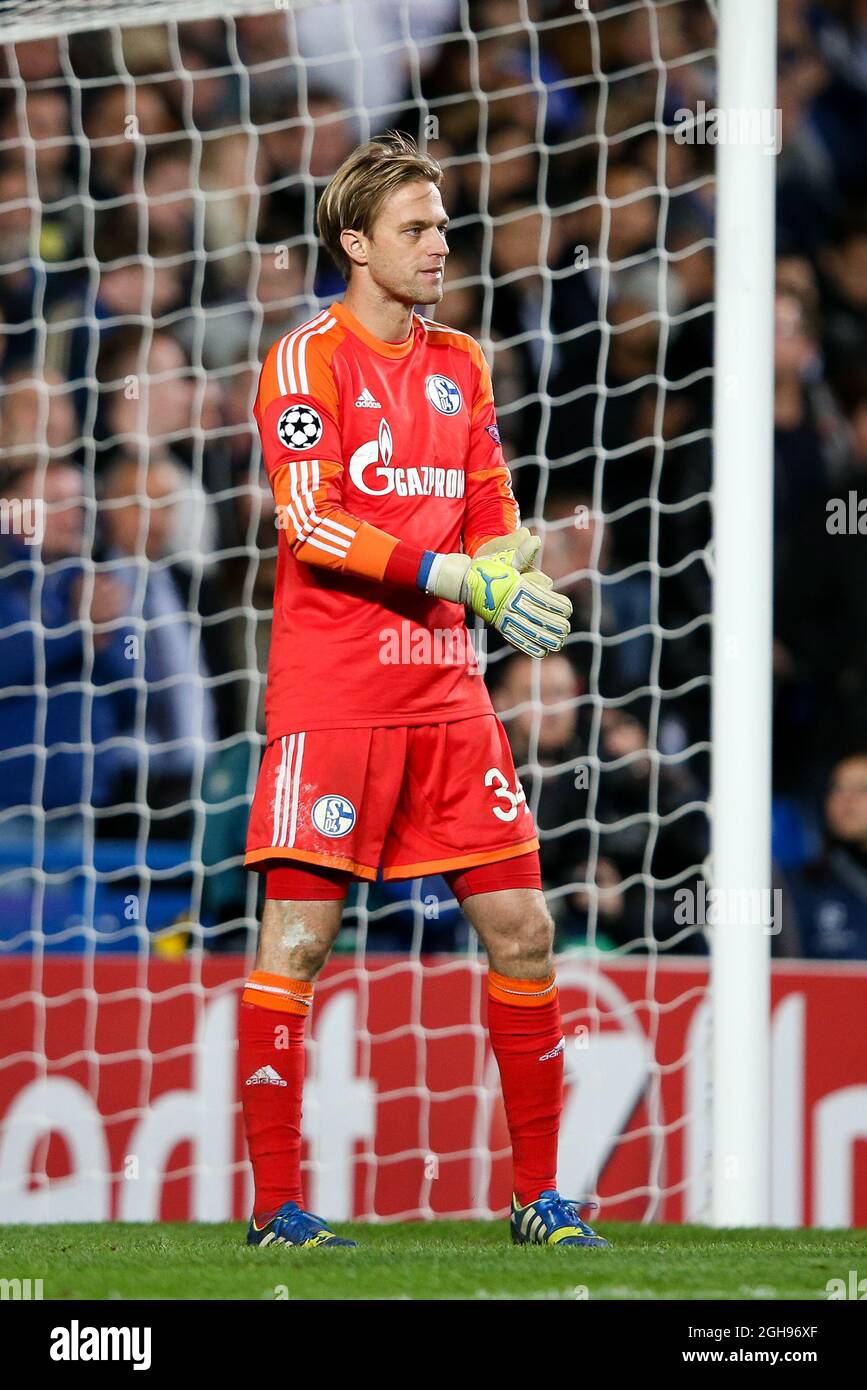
{"x": 531, "y": 943}
{"x": 296, "y": 937}
{"x": 517, "y": 931}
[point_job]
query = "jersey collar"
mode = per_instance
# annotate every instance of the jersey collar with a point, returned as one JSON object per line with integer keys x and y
{"x": 385, "y": 349}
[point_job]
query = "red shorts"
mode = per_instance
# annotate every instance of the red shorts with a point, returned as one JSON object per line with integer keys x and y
{"x": 411, "y": 801}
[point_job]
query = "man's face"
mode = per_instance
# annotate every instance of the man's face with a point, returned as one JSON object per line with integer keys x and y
{"x": 58, "y": 490}
{"x": 846, "y": 802}
{"x": 406, "y": 252}
{"x": 64, "y": 513}
{"x": 555, "y": 724}
{"x": 145, "y": 524}
{"x": 36, "y": 415}
{"x": 519, "y": 243}
{"x": 166, "y": 403}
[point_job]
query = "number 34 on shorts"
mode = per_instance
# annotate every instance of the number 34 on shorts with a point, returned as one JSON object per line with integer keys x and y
{"x": 510, "y": 801}
{"x": 409, "y": 800}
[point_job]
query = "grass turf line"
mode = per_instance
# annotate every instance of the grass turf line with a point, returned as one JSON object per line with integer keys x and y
{"x": 427, "y": 1260}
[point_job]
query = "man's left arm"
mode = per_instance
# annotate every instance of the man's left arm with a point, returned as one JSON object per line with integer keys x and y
{"x": 491, "y": 509}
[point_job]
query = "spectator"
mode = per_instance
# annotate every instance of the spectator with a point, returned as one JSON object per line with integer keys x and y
{"x": 241, "y": 328}
{"x": 174, "y": 620}
{"x": 821, "y": 629}
{"x": 31, "y": 278}
{"x": 844, "y": 266}
{"x": 45, "y": 128}
{"x": 125, "y": 295}
{"x": 56, "y": 644}
{"x": 39, "y": 419}
{"x": 613, "y": 819}
{"x": 113, "y": 112}
{"x": 829, "y": 895}
{"x": 611, "y": 645}
{"x": 534, "y": 315}
{"x": 150, "y": 398}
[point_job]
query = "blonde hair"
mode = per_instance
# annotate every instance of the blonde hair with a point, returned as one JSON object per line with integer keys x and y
{"x": 361, "y": 185}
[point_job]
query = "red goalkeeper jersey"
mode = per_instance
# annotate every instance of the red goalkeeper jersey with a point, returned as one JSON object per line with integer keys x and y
{"x": 377, "y": 452}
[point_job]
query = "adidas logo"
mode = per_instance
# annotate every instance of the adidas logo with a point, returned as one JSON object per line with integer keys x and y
{"x": 366, "y": 401}
{"x": 265, "y": 1076}
{"x": 555, "y": 1051}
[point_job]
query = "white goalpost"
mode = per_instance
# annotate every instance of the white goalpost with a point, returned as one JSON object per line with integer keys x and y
{"x": 743, "y": 610}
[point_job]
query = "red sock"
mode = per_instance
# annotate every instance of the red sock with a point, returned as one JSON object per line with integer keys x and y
{"x": 524, "y": 1025}
{"x": 271, "y": 1071}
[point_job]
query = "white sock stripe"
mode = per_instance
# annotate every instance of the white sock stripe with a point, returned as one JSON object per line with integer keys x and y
{"x": 285, "y": 994}
{"x": 288, "y": 794}
{"x": 277, "y": 988}
{"x": 298, "y": 761}
{"x": 527, "y": 993}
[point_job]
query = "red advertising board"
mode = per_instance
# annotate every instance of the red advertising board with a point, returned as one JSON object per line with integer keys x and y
{"x": 118, "y": 1091}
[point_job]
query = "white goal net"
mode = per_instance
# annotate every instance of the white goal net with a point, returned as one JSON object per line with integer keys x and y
{"x": 159, "y": 171}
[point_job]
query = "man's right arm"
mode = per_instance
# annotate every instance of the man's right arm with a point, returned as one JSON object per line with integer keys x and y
{"x": 301, "y": 447}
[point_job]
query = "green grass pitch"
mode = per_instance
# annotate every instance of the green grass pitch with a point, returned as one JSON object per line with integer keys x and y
{"x": 429, "y": 1260}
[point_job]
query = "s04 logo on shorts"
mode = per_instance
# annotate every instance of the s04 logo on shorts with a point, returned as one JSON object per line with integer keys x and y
{"x": 333, "y": 816}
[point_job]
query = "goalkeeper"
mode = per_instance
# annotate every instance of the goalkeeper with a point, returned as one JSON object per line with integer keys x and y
{"x": 395, "y": 512}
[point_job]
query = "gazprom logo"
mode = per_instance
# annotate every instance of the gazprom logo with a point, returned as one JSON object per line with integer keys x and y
{"x": 443, "y": 394}
{"x": 333, "y": 816}
{"x": 371, "y": 470}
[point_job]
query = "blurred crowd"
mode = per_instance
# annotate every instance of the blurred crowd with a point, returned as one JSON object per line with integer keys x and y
{"x": 157, "y": 196}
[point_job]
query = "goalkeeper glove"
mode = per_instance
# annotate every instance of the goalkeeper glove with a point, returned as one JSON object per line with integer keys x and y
{"x": 520, "y": 606}
{"x": 526, "y": 548}
{"x": 518, "y": 548}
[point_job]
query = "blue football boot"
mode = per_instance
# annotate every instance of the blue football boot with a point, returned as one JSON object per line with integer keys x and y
{"x": 552, "y": 1220}
{"x": 291, "y": 1226}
